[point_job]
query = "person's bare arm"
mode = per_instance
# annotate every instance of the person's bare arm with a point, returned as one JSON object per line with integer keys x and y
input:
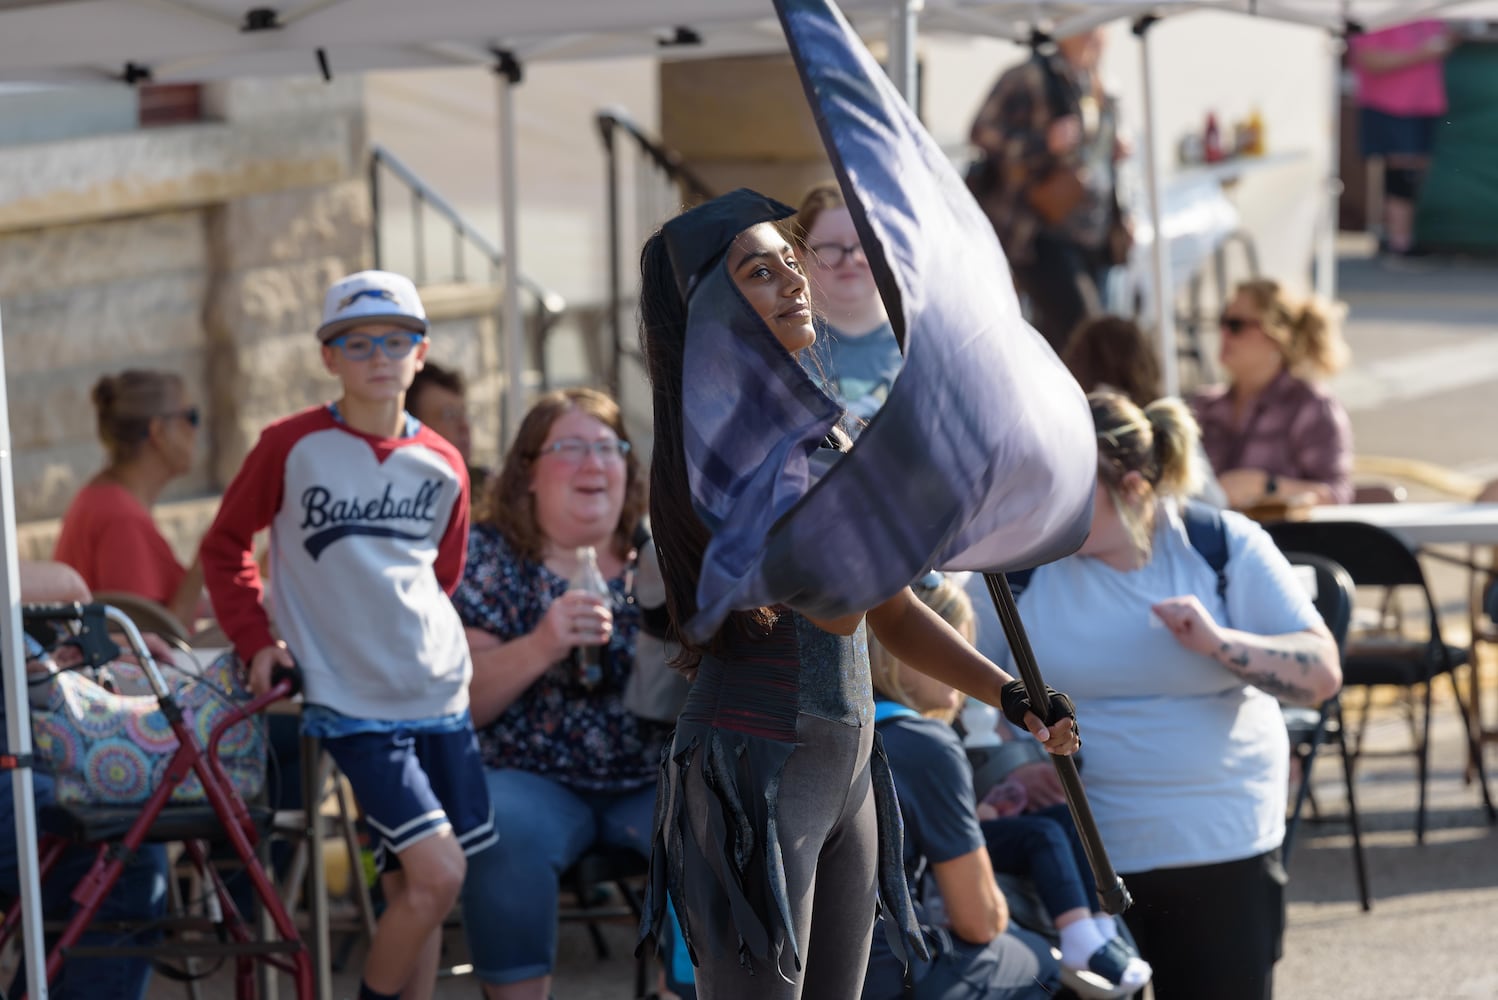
{"x": 503, "y": 670}
{"x": 1376, "y": 60}
{"x": 976, "y": 909}
{"x": 47, "y": 582}
{"x": 916, "y": 635}
{"x": 1298, "y": 667}
{"x": 187, "y": 602}
{"x": 1246, "y": 487}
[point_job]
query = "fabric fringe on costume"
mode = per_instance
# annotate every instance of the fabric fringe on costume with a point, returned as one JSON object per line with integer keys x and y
{"x": 748, "y": 861}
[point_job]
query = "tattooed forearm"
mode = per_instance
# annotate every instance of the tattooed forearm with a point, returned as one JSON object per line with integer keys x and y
{"x": 1266, "y": 668}
{"x": 1233, "y": 656}
{"x": 1279, "y": 687}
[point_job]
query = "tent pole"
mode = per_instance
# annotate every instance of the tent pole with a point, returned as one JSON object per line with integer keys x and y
{"x": 507, "y": 69}
{"x": 1326, "y": 249}
{"x": 18, "y": 715}
{"x": 903, "y": 30}
{"x": 1164, "y": 295}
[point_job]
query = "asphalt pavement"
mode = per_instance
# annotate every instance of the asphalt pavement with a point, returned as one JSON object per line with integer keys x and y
{"x": 1423, "y": 386}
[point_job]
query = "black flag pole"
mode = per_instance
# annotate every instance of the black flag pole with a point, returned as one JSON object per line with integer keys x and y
{"x": 1112, "y": 892}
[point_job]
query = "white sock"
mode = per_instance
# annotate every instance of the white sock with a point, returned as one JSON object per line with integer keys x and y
{"x": 1138, "y": 971}
{"x": 1078, "y": 941}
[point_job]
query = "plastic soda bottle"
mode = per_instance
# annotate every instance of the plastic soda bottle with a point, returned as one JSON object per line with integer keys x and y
{"x": 588, "y": 579}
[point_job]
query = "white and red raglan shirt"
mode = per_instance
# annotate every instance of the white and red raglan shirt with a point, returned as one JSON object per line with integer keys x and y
{"x": 367, "y": 540}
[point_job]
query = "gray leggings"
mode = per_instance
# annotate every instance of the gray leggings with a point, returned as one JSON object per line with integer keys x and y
{"x": 831, "y": 847}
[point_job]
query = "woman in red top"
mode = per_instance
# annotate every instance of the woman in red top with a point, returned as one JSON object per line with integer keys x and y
{"x": 149, "y": 429}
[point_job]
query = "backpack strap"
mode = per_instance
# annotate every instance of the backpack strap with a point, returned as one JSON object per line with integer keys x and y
{"x": 1208, "y": 536}
{"x": 1019, "y": 580}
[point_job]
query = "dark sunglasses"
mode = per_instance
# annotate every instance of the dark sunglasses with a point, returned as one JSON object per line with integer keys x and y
{"x": 1235, "y": 324}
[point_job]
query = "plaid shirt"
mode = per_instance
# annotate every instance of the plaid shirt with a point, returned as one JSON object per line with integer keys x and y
{"x": 1010, "y": 130}
{"x": 1295, "y": 430}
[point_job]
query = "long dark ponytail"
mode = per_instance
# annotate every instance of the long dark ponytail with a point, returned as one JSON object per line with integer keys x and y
{"x": 681, "y": 538}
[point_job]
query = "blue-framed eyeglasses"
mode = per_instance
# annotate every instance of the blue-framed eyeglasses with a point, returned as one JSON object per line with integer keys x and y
{"x": 574, "y": 450}
{"x": 361, "y": 346}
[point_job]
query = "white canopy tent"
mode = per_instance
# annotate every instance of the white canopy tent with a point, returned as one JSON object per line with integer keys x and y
{"x": 194, "y": 40}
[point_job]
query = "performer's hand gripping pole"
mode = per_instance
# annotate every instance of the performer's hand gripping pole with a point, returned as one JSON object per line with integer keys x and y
{"x": 1112, "y": 892}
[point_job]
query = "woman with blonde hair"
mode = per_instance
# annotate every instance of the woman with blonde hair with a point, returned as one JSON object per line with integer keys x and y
{"x": 1179, "y": 668}
{"x": 1274, "y": 430}
{"x": 148, "y": 425}
{"x": 954, "y": 844}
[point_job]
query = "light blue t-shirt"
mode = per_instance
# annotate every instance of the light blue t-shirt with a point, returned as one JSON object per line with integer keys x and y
{"x": 1185, "y": 763}
{"x": 862, "y": 369}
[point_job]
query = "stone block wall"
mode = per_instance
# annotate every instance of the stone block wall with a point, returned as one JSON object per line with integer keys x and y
{"x": 203, "y": 249}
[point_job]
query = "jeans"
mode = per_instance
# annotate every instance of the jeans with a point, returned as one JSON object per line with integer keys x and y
{"x": 1044, "y": 846}
{"x": 510, "y": 893}
{"x": 140, "y": 894}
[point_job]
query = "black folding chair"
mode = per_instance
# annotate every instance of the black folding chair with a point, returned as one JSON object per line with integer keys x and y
{"x": 1374, "y": 557}
{"x": 1334, "y": 595}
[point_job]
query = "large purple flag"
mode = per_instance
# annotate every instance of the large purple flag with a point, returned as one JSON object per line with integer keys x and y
{"x": 982, "y": 457}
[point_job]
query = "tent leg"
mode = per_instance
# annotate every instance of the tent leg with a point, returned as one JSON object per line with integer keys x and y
{"x": 509, "y": 74}
{"x": 903, "y": 31}
{"x": 18, "y": 715}
{"x": 1326, "y": 244}
{"x": 1164, "y": 294}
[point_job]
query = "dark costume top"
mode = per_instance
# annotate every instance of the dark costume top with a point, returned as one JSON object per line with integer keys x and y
{"x": 739, "y": 727}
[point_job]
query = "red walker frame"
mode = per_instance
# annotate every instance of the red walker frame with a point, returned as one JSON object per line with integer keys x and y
{"x": 290, "y": 954}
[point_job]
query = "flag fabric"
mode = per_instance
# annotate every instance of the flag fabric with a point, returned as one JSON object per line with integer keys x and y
{"x": 983, "y": 455}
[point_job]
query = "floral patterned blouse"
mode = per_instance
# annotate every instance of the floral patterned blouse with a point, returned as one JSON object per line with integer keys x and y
{"x": 583, "y": 738}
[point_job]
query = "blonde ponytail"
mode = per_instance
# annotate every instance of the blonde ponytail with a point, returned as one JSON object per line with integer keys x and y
{"x": 1175, "y": 446}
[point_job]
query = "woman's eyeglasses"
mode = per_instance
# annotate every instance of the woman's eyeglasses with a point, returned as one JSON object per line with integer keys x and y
{"x": 361, "y": 346}
{"x": 574, "y": 450}
{"x": 833, "y": 254}
{"x": 1235, "y": 324}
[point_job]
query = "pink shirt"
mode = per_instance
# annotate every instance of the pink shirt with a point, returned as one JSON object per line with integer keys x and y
{"x": 1415, "y": 90}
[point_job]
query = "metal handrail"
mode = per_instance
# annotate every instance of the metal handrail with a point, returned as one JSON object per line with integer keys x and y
{"x": 667, "y": 160}
{"x": 549, "y": 305}
{"x": 670, "y": 165}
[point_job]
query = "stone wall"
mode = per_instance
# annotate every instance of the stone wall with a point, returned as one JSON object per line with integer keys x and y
{"x": 204, "y": 249}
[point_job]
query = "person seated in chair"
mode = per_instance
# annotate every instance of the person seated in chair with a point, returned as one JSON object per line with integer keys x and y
{"x": 1274, "y": 432}
{"x": 951, "y": 857}
{"x": 148, "y": 425}
{"x": 140, "y": 894}
{"x": 568, "y": 766}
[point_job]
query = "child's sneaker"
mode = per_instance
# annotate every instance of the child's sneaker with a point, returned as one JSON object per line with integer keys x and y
{"x": 1113, "y": 971}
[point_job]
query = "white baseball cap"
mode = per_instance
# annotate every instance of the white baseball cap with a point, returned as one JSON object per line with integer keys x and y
{"x": 371, "y": 297}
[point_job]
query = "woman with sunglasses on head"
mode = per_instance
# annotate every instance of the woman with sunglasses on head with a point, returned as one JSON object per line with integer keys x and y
{"x": 859, "y": 350}
{"x": 148, "y": 425}
{"x": 1274, "y": 431}
{"x": 568, "y": 767}
{"x": 776, "y": 830}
